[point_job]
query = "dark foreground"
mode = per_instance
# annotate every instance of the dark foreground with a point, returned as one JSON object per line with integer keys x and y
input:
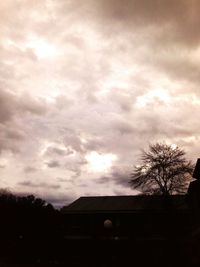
{"x": 33, "y": 234}
{"x": 99, "y": 253}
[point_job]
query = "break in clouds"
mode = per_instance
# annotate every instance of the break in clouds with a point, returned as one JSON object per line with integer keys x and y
{"x": 84, "y": 85}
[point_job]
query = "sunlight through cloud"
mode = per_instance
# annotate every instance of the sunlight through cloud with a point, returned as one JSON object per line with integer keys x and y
{"x": 100, "y": 162}
{"x": 157, "y": 94}
{"x": 42, "y": 48}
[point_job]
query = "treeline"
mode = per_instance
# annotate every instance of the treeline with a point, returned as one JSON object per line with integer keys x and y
{"x": 29, "y": 229}
{"x": 10, "y": 200}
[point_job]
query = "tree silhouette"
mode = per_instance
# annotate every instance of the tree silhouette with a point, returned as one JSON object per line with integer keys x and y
{"x": 164, "y": 170}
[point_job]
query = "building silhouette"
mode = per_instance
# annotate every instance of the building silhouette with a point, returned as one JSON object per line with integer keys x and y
{"x": 141, "y": 230}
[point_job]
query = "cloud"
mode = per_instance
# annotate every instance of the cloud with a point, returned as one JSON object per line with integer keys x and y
{"x": 59, "y": 201}
{"x": 30, "y": 169}
{"x": 62, "y": 180}
{"x": 53, "y": 164}
{"x": 56, "y": 151}
{"x": 181, "y": 17}
{"x": 122, "y": 74}
{"x": 13, "y": 130}
{"x": 39, "y": 185}
{"x": 7, "y": 106}
{"x": 2, "y": 166}
{"x": 118, "y": 176}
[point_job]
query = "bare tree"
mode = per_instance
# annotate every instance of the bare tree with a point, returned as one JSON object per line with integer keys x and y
{"x": 164, "y": 170}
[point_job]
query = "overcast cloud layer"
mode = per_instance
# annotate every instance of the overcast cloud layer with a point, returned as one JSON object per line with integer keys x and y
{"x": 84, "y": 85}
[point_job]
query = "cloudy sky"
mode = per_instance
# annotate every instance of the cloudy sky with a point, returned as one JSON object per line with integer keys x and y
{"x": 85, "y": 85}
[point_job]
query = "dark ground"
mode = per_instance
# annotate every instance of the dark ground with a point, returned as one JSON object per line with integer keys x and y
{"x": 90, "y": 253}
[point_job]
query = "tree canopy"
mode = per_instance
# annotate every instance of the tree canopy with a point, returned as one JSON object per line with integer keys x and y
{"x": 164, "y": 170}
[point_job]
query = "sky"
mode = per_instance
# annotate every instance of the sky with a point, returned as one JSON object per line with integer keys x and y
{"x": 85, "y": 85}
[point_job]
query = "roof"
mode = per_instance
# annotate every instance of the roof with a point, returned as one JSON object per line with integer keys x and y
{"x": 127, "y": 204}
